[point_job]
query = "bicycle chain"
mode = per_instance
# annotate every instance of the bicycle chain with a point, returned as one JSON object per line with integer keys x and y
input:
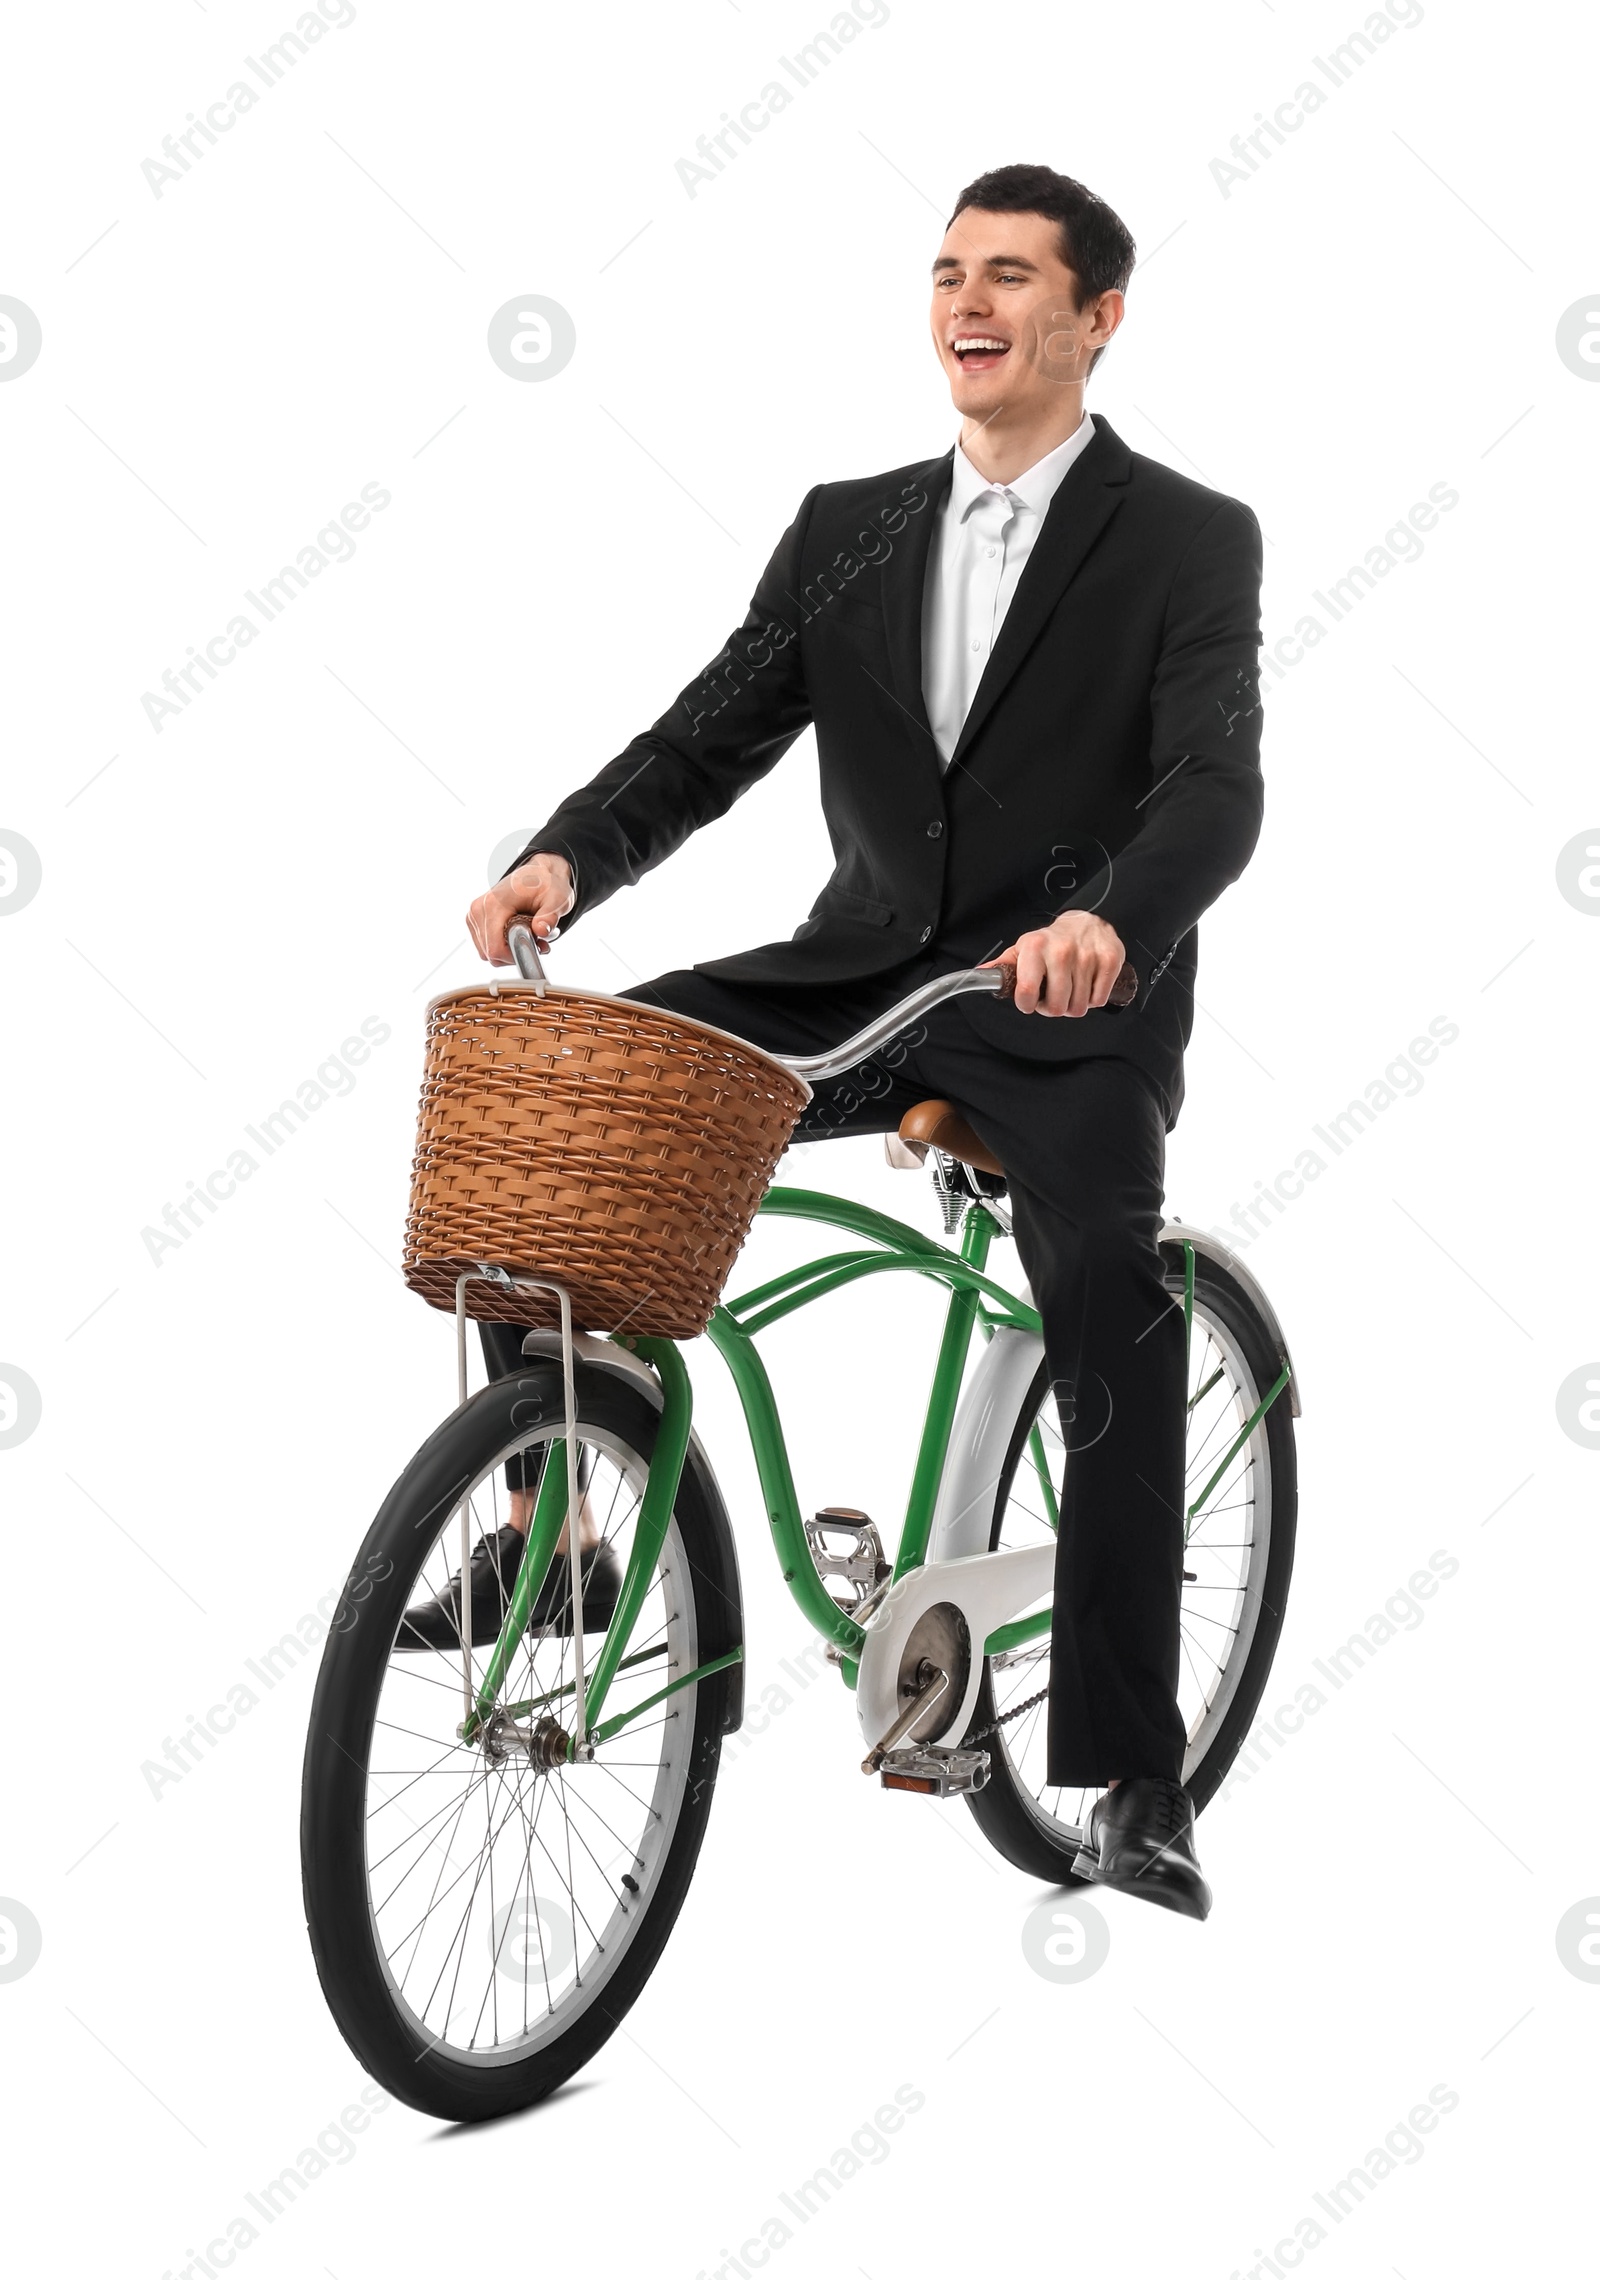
{"x": 1005, "y": 1718}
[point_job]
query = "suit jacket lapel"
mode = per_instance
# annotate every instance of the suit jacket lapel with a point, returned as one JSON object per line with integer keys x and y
{"x": 1089, "y": 495}
{"x": 904, "y": 576}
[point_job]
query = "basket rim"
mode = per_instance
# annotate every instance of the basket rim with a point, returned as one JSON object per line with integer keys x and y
{"x": 514, "y": 986}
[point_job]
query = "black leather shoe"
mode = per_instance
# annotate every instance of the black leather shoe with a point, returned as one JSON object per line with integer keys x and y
{"x": 602, "y": 1582}
{"x": 435, "y": 1622}
{"x": 1140, "y": 1839}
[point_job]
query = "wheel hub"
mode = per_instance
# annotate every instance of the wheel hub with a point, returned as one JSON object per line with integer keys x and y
{"x": 545, "y": 1744}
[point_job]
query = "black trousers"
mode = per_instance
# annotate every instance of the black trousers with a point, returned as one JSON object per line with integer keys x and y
{"x": 1084, "y": 1144}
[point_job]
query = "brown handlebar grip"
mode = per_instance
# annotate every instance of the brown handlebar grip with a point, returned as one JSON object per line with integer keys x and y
{"x": 1123, "y": 990}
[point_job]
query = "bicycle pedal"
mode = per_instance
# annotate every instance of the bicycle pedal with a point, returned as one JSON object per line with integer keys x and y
{"x": 1086, "y": 1864}
{"x": 935, "y": 1773}
{"x": 859, "y": 1562}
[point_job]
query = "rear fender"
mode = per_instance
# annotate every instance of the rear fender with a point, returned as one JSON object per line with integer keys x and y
{"x": 980, "y": 1442}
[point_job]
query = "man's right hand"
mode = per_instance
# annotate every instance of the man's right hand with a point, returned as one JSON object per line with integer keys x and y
{"x": 540, "y": 890}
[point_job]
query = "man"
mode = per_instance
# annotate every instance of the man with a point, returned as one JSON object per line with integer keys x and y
{"x": 1031, "y": 666}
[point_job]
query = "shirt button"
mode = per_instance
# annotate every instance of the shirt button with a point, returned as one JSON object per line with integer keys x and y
{"x": 989, "y": 551}
{"x": 935, "y": 830}
{"x": 926, "y": 935}
{"x": 977, "y": 645}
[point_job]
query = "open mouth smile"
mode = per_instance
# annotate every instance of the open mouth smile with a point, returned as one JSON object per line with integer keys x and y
{"x": 979, "y": 352}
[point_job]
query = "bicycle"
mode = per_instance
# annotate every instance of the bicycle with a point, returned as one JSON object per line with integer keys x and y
{"x": 495, "y": 1845}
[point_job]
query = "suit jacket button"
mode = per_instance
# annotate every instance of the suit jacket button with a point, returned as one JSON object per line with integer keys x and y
{"x": 936, "y": 831}
{"x": 926, "y": 935}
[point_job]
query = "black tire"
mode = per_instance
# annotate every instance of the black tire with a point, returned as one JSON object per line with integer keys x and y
{"x": 1006, "y": 1809}
{"x": 471, "y": 1447}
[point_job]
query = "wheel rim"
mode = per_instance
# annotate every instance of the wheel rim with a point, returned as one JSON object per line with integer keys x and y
{"x": 1229, "y": 1539}
{"x": 1225, "y": 1564}
{"x": 495, "y": 1892}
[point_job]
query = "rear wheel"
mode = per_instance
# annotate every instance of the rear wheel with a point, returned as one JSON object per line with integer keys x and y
{"x": 1238, "y": 1558}
{"x": 481, "y": 1922}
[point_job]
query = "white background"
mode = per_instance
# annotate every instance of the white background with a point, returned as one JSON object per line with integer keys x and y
{"x": 1371, "y": 312}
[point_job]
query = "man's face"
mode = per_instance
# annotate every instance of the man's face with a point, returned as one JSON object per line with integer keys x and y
{"x": 1005, "y": 318}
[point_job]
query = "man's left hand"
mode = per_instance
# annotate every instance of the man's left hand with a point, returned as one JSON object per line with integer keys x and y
{"x": 1067, "y": 967}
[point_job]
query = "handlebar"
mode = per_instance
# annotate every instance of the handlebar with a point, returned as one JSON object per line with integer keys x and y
{"x": 972, "y": 981}
{"x": 815, "y": 1068}
{"x": 986, "y": 981}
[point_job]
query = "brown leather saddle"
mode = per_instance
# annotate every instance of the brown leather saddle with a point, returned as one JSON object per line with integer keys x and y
{"x": 940, "y": 1124}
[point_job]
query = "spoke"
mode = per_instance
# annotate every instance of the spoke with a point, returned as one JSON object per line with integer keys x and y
{"x": 434, "y": 1895}
{"x": 418, "y": 1828}
{"x": 1227, "y": 1478}
{"x": 484, "y": 1858}
{"x": 643, "y": 1803}
{"x": 412, "y": 1668}
{"x": 485, "y": 1864}
{"x": 641, "y": 1643}
{"x": 1197, "y": 1616}
{"x": 525, "y": 1879}
{"x": 1212, "y": 1511}
{"x": 538, "y": 1921}
{"x": 410, "y": 1731}
{"x": 1022, "y": 1658}
{"x": 1017, "y": 1505}
{"x": 578, "y": 1798}
{"x": 1206, "y": 1658}
{"x": 1017, "y": 1694}
{"x": 491, "y": 1993}
{"x": 445, "y": 1862}
{"x": 1205, "y": 1697}
{"x": 569, "y": 1887}
{"x": 1228, "y": 1414}
{"x": 410, "y": 1775}
{"x": 532, "y": 1828}
{"x": 1207, "y": 1686}
{"x": 605, "y": 1874}
{"x": 1029, "y": 1725}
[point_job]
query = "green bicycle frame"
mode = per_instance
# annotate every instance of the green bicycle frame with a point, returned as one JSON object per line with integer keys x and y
{"x": 976, "y": 1303}
{"x": 893, "y": 1248}
{"x": 899, "y": 1249}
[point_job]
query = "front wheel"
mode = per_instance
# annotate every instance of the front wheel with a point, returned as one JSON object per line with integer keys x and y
{"x": 480, "y": 1922}
{"x": 1238, "y": 1557}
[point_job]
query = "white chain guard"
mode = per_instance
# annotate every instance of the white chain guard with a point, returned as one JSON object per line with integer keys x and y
{"x": 988, "y": 1587}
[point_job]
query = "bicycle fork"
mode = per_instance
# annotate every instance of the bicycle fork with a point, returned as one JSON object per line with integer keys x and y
{"x": 569, "y": 1397}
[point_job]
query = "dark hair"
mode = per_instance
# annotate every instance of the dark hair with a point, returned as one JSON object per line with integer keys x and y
{"x": 1096, "y": 244}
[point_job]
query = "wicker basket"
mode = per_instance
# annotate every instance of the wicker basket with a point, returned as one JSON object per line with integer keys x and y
{"x": 615, "y": 1149}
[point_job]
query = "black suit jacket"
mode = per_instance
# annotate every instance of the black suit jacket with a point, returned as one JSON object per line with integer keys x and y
{"x": 1110, "y": 760}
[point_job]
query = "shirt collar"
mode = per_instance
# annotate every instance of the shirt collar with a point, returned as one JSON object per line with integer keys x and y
{"x": 1034, "y": 488}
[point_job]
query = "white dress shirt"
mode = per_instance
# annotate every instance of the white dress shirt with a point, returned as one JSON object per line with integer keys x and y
{"x": 985, "y": 537}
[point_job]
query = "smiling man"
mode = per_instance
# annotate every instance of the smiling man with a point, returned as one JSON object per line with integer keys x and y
{"x": 1031, "y": 667}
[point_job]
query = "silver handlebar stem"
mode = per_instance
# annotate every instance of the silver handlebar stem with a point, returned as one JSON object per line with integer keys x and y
{"x": 983, "y": 981}
{"x": 520, "y": 942}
